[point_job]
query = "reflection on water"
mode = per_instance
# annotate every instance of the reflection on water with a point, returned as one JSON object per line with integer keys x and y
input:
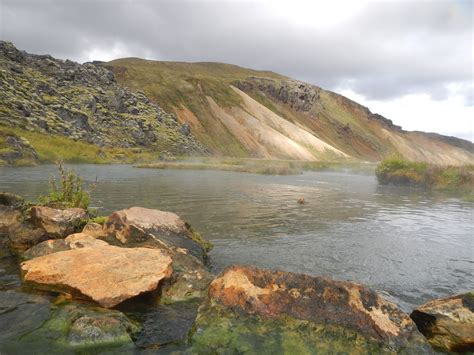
{"x": 407, "y": 243}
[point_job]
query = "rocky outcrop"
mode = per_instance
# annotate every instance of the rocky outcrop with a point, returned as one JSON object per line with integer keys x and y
{"x": 56, "y": 222}
{"x": 106, "y": 274}
{"x": 16, "y": 150}
{"x": 448, "y": 323}
{"x": 299, "y": 312}
{"x": 82, "y": 102}
{"x": 299, "y": 96}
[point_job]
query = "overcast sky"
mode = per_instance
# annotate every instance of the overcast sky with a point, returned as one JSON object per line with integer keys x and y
{"x": 409, "y": 61}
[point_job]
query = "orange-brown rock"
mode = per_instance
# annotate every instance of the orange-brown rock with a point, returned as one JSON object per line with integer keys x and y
{"x": 57, "y": 223}
{"x": 448, "y": 323}
{"x": 106, "y": 274}
{"x": 318, "y": 299}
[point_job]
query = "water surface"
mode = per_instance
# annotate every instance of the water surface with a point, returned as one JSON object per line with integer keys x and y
{"x": 409, "y": 244}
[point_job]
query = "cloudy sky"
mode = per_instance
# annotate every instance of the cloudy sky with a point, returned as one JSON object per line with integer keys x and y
{"x": 411, "y": 61}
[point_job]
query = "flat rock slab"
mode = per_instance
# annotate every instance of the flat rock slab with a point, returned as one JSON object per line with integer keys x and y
{"x": 108, "y": 275}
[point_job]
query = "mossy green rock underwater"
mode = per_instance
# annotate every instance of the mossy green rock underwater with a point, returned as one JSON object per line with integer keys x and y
{"x": 31, "y": 322}
{"x": 259, "y": 311}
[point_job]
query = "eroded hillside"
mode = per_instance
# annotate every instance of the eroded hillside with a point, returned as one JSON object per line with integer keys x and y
{"x": 242, "y": 112}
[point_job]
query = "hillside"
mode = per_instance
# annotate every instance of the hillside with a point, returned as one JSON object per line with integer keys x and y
{"x": 135, "y": 110}
{"x": 241, "y": 112}
{"x": 51, "y": 108}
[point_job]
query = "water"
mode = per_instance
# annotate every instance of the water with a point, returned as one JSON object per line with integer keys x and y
{"x": 409, "y": 244}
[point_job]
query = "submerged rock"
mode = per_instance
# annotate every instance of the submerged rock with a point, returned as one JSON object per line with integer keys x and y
{"x": 448, "y": 323}
{"x": 106, "y": 274}
{"x": 256, "y": 310}
{"x": 67, "y": 328}
{"x": 20, "y": 314}
{"x": 56, "y": 222}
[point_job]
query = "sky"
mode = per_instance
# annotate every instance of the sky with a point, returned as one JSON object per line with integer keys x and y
{"x": 410, "y": 61}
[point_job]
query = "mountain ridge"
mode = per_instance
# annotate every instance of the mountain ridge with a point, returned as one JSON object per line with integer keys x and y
{"x": 138, "y": 108}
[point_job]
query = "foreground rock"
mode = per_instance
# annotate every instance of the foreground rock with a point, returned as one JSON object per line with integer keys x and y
{"x": 56, "y": 222}
{"x": 264, "y": 311}
{"x": 143, "y": 226}
{"x": 106, "y": 274}
{"x": 448, "y": 323}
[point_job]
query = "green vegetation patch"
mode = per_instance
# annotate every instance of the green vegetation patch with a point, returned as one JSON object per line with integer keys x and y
{"x": 398, "y": 171}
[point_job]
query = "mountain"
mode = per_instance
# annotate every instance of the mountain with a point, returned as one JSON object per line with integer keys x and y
{"x": 133, "y": 109}
{"x": 62, "y": 105}
{"x": 242, "y": 112}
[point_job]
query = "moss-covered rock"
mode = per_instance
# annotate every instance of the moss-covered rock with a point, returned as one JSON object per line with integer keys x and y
{"x": 256, "y": 311}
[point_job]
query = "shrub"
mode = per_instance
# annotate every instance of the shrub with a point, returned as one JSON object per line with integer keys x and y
{"x": 68, "y": 191}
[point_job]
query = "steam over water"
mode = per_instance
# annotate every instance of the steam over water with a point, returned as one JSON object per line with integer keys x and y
{"x": 409, "y": 244}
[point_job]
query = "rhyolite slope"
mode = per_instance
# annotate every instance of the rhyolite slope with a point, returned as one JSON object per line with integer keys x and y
{"x": 261, "y": 311}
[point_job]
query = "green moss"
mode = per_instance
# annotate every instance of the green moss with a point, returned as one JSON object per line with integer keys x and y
{"x": 99, "y": 220}
{"x": 219, "y": 330}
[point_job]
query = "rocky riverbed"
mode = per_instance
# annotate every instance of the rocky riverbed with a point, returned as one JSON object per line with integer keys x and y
{"x": 141, "y": 282}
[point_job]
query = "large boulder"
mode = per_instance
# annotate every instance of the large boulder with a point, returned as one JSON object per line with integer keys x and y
{"x": 74, "y": 241}
{"x": 258, "y": 310}
{"x": 106, "y": 274}
{"x": 138, "y": 226}
{"x": 448, "y": 323}
{"x": 56, "y": 222}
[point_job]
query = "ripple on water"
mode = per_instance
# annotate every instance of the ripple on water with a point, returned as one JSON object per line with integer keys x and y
{"x": 408, "y": 243}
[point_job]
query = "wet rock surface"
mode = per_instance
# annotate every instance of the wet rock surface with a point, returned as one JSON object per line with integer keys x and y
{"x": 448, "y": 323}
{"x": 320, "y": 312}
{"x": 108, "y": 275}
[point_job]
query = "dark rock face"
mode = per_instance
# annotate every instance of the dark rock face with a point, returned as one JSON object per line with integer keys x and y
{"x": 300, "y": 96}
{"x": 82, "y": 102}
{"x": 448, "y": 323}
{"x": 349, "y": 316}
{"x": 16, "y": 150}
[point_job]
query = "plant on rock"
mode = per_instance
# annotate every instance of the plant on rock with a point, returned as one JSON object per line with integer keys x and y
{"x": 68, "y": 191}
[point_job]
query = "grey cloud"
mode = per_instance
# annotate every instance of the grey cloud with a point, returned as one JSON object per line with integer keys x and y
{"x": 388, "y": 50}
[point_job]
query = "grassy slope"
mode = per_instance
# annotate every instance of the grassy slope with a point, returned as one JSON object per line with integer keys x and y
{"x": 51, "y": 148}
